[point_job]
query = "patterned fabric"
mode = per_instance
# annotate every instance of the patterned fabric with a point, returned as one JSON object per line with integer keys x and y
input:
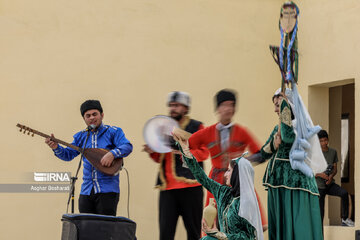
{"x": 293, "y": 203}
{"x": 232, "y": 226}
{"x": 285, "y": 116}
{"x": 279, "y": 172}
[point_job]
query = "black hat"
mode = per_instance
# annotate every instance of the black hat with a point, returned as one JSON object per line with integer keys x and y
{"x": 224, "y": 95}
{"x": 180, "y": 97}
{"x": 90, "y": 104}
{"x": 323, "y": 134}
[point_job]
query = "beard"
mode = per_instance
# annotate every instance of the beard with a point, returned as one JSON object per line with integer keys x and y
{"x": 176, "y": 116}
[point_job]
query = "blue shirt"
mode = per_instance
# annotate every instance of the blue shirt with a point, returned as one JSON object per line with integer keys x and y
{"x": 107, "y": 137}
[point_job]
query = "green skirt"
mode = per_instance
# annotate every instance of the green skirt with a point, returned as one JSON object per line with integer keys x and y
{"x": 293, "y": 215}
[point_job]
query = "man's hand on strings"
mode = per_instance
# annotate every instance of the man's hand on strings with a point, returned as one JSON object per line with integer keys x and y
{"x": 107, "y": 159}
{"x": 51, "y": 143}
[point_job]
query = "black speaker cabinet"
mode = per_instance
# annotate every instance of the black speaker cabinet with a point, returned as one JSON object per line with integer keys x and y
{"x": 357, "y": 235}
{"x": 95, "y": 227}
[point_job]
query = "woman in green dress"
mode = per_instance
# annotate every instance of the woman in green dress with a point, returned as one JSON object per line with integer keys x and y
{"x": 238, "y": 210}
{"x": 293, "y": 198}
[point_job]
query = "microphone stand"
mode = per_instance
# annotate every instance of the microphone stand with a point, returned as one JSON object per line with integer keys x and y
{"x": 73, "y": 179}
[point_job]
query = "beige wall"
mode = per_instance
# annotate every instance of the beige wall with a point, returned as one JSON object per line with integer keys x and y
{"x": 130, "y": 54}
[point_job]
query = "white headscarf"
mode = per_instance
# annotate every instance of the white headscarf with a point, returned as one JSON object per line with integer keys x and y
{"x": 306, "y": 154}
{"x": 249, "y": 206}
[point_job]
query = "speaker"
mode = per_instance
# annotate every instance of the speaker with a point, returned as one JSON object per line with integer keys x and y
{"x": 357, "y": 235}
{"x": 94, "y": 227}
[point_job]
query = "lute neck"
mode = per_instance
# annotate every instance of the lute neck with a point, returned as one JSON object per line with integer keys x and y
{"x": 30, "y": 130}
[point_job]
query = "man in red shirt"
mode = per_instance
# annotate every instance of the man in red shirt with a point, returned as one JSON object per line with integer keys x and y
{"x": 180, "y": 193}
{"x": 225, "y": 140}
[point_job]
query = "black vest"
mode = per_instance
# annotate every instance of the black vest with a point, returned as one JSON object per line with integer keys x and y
{"x": 181, "y": 173}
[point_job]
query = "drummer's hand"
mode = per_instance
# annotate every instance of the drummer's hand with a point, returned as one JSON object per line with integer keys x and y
{"x": 147, "y": 149}
{"x": 50, "y": 143}
{"x": 107, "y": 159}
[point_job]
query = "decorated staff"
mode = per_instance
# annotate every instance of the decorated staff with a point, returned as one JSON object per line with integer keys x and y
{"x": 292, "y": 148}
{"x": 303, "y": 157}
{"x": 288, "y": 63}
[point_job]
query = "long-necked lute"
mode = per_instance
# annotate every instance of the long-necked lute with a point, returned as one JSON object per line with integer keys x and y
{"x": 94, "y": 155}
